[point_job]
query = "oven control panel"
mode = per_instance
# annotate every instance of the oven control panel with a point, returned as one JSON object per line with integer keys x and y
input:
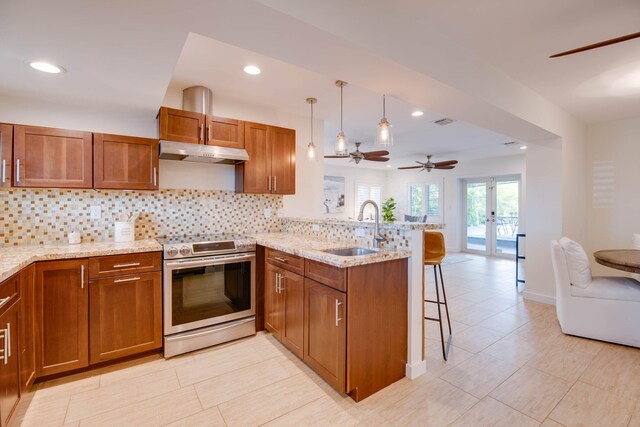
{"x": 187, "y": 250}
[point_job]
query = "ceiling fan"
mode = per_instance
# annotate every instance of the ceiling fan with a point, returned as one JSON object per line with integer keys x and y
{"x": 429, "y": 165}
{"x": 356, "y": 156}
{"x": 597, "y": 45}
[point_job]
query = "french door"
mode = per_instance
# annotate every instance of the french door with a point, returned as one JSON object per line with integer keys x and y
{"x": 491, "y": 215}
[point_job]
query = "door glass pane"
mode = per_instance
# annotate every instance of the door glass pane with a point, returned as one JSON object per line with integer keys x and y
{"x": 203, "y": 293}
{"x": 476, "y": 216}
{"x": 507, "y": 216}
{"x": 433, "y": 200}
{"x": 415, "y": 200}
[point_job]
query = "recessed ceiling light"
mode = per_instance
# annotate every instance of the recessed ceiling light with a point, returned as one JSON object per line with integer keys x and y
{"x": 417, "y": 113}
{"x": 388, "y": 166}
{"x": 252, "y": 69}
{"x": 46, "y": 67}
{"x": 524, "y": 147}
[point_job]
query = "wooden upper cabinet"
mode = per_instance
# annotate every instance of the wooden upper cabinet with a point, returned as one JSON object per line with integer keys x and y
{"x": 62, "y": 316}
{"x": 181, "y": 126}
{"x": 254, "y": 175}
{"x": 125, "y": 162}
{"x": 56, "y": 158}
{"x": 6, "y": 154}
{"x": 224, "y": 132}
{"x": 125, "y": 315}
{"x": 283, "y": 160}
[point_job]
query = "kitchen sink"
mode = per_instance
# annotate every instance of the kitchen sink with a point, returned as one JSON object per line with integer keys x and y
{"x": 351, "y": 251}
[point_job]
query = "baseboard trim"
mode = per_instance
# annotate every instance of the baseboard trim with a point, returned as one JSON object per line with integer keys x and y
{"x": 545, "y": 299}
{"x": 415, "y": 370}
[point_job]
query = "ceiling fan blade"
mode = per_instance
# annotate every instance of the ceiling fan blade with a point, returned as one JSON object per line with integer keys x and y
{"x": 377, "y": 159}
{"x": 336, "y": 157}
{"x": 411, "y": 167}
{"x": 597, "y": 45}
{"x": 444, "y": 167}
{"x": 446, "y": 163}
{"x": 376, "y": 153}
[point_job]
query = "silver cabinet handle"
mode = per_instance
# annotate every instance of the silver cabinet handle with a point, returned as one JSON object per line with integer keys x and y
{"x": 4, "y": 301}
{"x": 155, "y": 177}
{"x": 282, "y": 260}
{"x": 3, "y": 350}
{"x": 4, "y": 170}
{"x": 9, "y": 340}
{"x": 275, "y": 183}
{"x": 202, "y": 134}
{"x": 269, "y": 177}
{"x": 277, "y": 283}
{"x": 17, "y": 170}
{"x": 130, "y": 279}
{"x": 338, "y": 304}
{"x": 131, "y": 264}
{"x": 82, "y": 276}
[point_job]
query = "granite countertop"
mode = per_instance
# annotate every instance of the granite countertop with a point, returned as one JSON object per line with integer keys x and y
{"x": 396, "y": 225}
{"x": 15, "y": 258}
{"x": 311, "y": 248}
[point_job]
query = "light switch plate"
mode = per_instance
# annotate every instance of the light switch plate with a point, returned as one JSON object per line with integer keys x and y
{"x": 267, "y": 213}
{"x": 315, "y": 227}
{"x": 95, "y": 212}
{"x": 360, "y": 232}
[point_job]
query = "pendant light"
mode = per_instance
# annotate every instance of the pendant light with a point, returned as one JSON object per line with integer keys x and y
{"x": 341, "y": 148}
{"x": 384, "y": 138}
{"x": 311, "y": 148}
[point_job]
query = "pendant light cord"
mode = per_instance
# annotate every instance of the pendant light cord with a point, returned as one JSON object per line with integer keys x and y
{"x": 311, "y": 122}
{"x": 341, "y": 111}
{"x": 384, "y": 104}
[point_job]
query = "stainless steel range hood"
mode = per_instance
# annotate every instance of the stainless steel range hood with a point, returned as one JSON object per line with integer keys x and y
{"x": 171, "y": 150}
{"x": 198, "y": 100}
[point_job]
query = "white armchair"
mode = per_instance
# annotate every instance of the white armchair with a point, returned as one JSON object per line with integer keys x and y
{"x": 601, "y": 308}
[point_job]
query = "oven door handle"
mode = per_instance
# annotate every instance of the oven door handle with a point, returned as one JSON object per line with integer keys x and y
{"x": 210, "y": 261}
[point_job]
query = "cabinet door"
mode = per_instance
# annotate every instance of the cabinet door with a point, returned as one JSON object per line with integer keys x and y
{"x": 325, "y": 338}
{"x": 125, "y": 162}
{"x": 62, "y": 318}
{"x": 293, "y": 312}
{"x": 57, "y": 158}
{"x": 6, "y": 154}
{"x": 254, "y": 175}
{"x": 225, "y": 132}
{"x": 9, "y": 371}
{"x": 126, "y": 315}
{"x": 283, "y": 159}
{"x": 181, "y": 126}
{"x": 273, "y": 316}
{"x": 27, "y": 328}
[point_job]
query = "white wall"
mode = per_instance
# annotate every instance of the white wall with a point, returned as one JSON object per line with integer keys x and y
{"x": 398, "y": 182}
{"x": 611, "y": 226}
{"x": 352, "y": 175}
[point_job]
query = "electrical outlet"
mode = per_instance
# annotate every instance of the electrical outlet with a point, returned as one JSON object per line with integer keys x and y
{"x": 95, "y": 212}
{"x": 267, "y": 213}
{"x": 360, "y": 232}
{"x": 315, "y": 227}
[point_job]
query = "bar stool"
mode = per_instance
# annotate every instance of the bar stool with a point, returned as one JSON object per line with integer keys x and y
{"x": 433, "y": 254}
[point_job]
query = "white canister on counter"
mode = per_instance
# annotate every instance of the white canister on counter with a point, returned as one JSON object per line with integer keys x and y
{"x": 124, "y": 232}
{"x": 74, "y": 237}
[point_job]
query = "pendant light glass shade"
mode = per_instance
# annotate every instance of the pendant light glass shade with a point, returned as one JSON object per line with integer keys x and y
{"x": 384, "y": 137}
{"x": 311, "y": 148}
{"x": 341, "y": 147}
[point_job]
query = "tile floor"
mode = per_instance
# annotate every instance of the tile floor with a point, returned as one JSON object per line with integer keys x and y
{"x": 510, "y": 365}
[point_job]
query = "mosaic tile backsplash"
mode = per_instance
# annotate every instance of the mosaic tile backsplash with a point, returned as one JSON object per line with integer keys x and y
{"x": 45, "y": 216}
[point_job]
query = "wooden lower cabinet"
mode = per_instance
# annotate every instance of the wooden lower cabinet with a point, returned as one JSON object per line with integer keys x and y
{"x": 284, "y": 307}
{"x": 125, "y": 315}
{"x": 9, "y": 366}
{"x": 62, "y": 316}
{"x": 325, "y": 341}
{"x": 27, "y": 328}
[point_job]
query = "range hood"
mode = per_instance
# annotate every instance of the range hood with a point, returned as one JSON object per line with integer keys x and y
{"x": 198, "y": 99}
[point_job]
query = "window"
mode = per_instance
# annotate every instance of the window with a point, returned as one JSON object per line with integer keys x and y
{"x": 426, "y": 199}
{"x": 367, "y": 191}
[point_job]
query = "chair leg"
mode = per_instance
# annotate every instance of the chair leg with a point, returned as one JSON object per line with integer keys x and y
{"x": 435, "y": 276}
{"x": 444, "y": 298}
{"x": 447, "y": 347}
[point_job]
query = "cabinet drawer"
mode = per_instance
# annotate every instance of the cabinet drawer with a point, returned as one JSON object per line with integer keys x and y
{"x": 114, "y": 265}
{"x": 326, "y": 274}
{"x": 287, "y": 261}
{"x": 9, "y": 292}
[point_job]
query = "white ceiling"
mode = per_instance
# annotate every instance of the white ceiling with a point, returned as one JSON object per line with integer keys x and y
{"x": 285, "y": 87}
{"x": 517, "y": 37}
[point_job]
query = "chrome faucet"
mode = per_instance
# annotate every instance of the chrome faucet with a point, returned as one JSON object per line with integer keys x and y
{"x": 377, "y": 237}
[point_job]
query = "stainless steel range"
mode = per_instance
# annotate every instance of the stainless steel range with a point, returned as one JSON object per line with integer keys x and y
{"x": 209, "y": 291}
